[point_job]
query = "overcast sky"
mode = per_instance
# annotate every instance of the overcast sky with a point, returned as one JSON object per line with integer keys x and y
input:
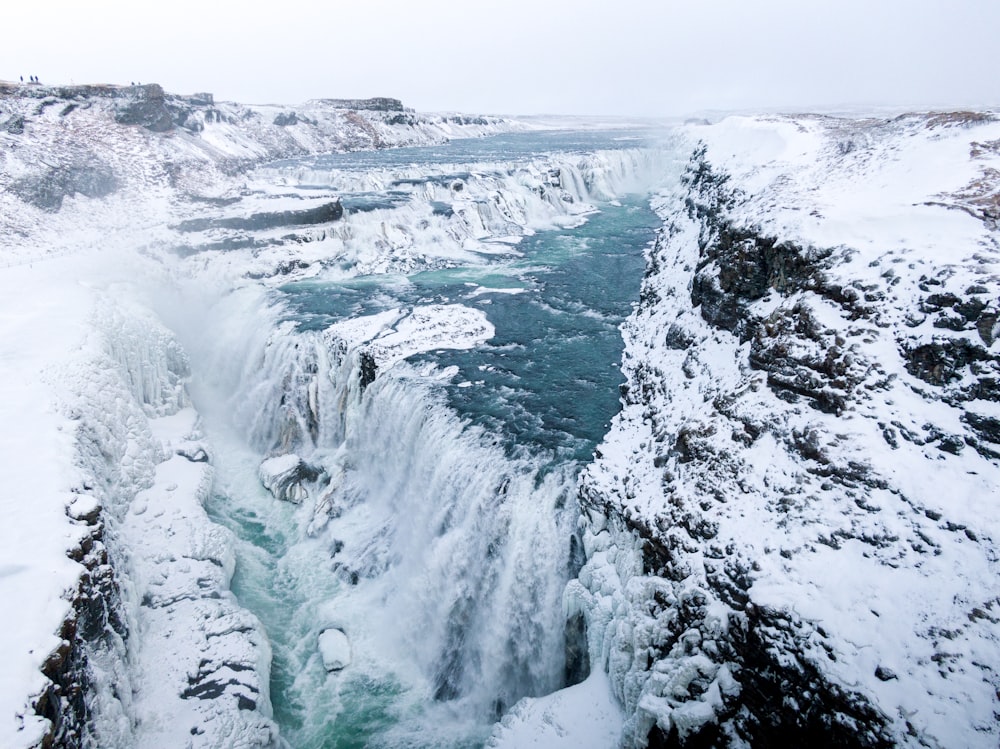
{"x": 625, "y": 57}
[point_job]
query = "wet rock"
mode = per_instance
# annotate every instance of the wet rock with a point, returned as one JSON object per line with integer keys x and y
{"x": 368, "y": 368}
{"x": 577, "y": 658}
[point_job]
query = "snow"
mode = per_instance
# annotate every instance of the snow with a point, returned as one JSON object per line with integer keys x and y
{"x": 37, "y": 447}
{"x": 882, "y": 575}
{"x": 583, "y": 716}
{"x": 897, "y": 576}
{"x": 94, "y": 391}
{"x": 426, "y": 328}
{"x": 335, "y": 649}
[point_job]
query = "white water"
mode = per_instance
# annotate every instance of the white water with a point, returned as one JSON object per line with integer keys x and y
{"x": 442, "y": 559}
{"x": 439, "y": 551}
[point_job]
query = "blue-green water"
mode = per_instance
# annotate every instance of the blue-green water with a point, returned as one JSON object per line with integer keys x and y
{"x": 503, "y": 148}
{"x": 549, "y": 378}
{"x": 447, "y": 543}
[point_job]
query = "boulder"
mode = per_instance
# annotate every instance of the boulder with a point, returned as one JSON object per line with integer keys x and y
{"x": 284, "y": 476}
{"x": 335, "y": 649}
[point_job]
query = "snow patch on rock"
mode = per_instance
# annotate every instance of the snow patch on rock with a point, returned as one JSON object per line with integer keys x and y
{"x": 335, "y": 649}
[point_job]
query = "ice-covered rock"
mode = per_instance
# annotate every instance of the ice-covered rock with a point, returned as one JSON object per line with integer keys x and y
{"x": 583, "y": 716}
{"x": 285, "y": 475}
{"x": 334, "y": 649}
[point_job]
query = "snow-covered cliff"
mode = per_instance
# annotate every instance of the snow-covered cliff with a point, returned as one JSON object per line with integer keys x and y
{"x": 126, "y": 159}
{"x": 792, "y": 527}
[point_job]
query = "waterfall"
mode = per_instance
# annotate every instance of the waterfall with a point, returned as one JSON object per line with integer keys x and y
{"x": 442, "y": 557}
{"x": 437, "y": 550}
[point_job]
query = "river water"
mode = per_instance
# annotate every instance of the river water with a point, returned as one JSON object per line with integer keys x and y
{"x": 440, "y": 536}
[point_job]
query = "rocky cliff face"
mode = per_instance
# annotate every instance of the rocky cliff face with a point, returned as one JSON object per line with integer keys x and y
{"x": 155, "y": 652}
{"x": 792, "y": 527}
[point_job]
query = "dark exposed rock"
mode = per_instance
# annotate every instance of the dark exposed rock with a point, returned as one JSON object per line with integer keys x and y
{"x": 402, "y": 119}
{"x": 943, "y": 360}
{"x": 245, "y": 703}
{"x": 148, "y": 108}
{"x": 368, "y": 369}
{"x": 577, "y": 658}
{"x": 461, "y": 119}
{"x": 95, "y": 617}
{"x": 823, "y": 373}
{"x": 286, "y": 475}
{"x": 788, "y": 701}
{"x": 93, "y": 179}
{"x": 986, "y": 427}
{"x": 376, "y": 104}
{"x": 884, "y": 674}
{"x": 986, "y": 324}
{"x": 320, "y": 214}
{"x": 197, "y": 455}
{"x": 15, "y": 125}
{"x": 706, "y": 737}
{"x": 738, "y": 265}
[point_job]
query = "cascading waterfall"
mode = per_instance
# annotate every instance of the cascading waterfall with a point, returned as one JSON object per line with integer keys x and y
{"x": 442, "y": 558}
{"x": 436, "y": 545}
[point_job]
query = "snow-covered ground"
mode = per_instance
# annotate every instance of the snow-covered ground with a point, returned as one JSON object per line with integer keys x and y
{"x": 793, "y": 523}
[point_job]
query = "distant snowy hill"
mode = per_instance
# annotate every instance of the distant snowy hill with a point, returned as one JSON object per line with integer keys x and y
{"x": 793, "y": 526}
{"x": 127, "y": 158}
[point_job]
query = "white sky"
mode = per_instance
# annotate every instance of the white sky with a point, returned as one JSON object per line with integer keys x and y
{"x": 626, "y": 57}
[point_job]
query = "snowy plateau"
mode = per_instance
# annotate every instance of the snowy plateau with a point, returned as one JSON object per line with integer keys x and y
{"x": 788, "y": 535}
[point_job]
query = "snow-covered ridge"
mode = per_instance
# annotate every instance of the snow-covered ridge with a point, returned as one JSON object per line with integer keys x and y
{"x": 188, "y": 665}
{"x": 121, "y": 581}
{"x": 792, "y": 526}
{"x": 128, "y": 158}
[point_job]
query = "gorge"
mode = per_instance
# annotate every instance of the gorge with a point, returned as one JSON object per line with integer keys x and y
{"x": 345, "y": 448}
